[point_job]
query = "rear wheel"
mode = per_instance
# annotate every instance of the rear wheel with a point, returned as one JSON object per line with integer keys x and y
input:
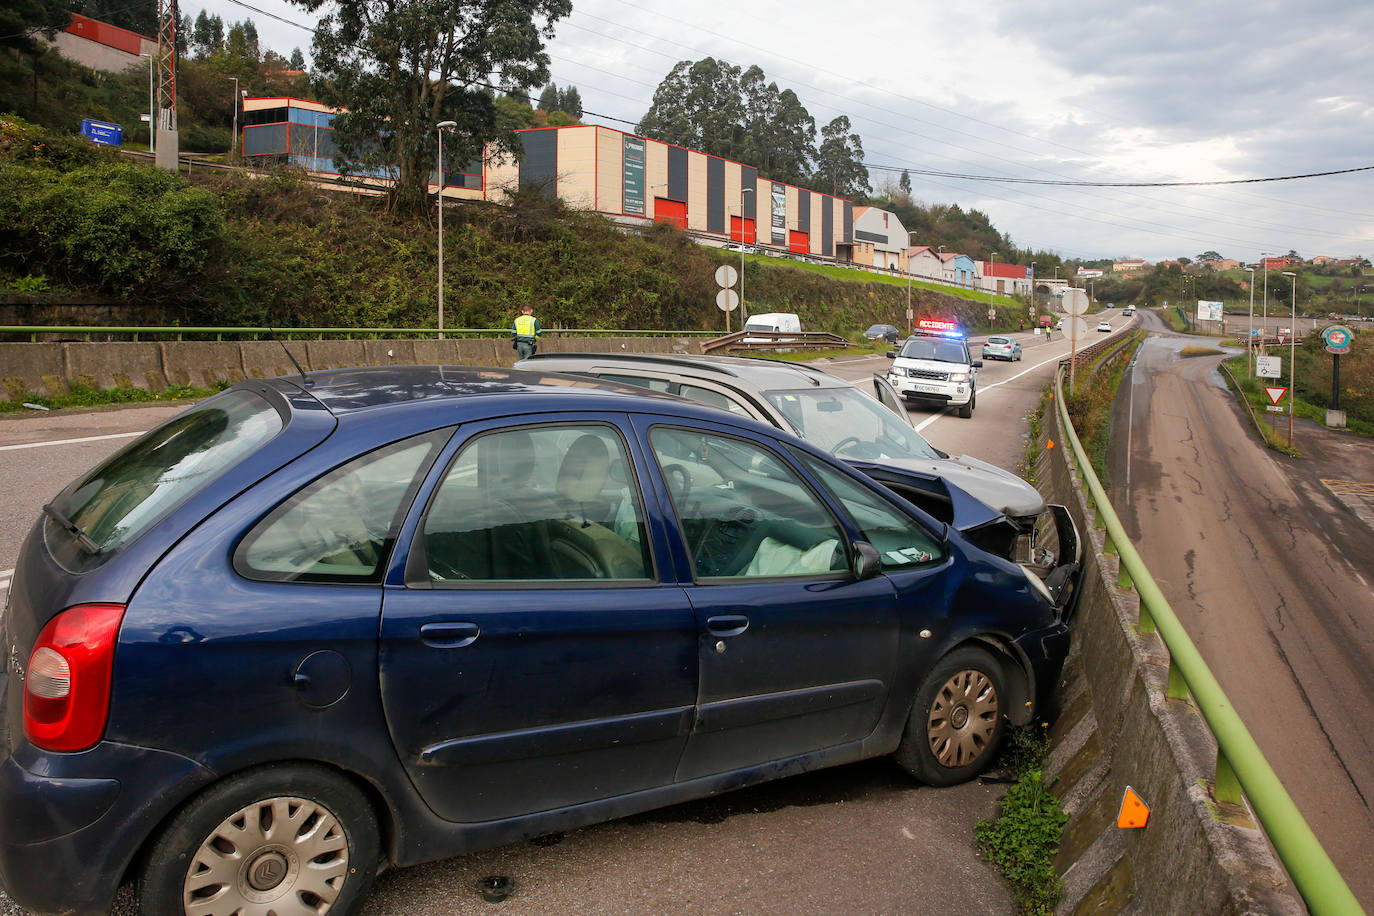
{"x": 957, "y": 719}
{"x": 290, "y": 840}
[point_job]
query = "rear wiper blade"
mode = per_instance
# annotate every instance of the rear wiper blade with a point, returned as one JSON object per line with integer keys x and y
{"x": 82, "y": 537}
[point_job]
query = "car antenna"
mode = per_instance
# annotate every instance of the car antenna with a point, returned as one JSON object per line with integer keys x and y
{"x": 304, "y": 379}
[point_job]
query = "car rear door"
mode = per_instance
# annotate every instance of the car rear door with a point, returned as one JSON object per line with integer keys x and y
{"x": 534, "y": 655}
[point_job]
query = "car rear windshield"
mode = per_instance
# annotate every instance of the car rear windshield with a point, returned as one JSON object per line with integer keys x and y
{"x": 849, "y": 424}
{"x": 126, "y": 495}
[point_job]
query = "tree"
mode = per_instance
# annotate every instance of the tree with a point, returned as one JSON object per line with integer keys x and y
{"x": 208, "y": 34}
{"x": 698, "y": 105}
{"x": 905, "y": 182}
{"x": 399, "y": 67}
{"x": 570, "y": 102}
{"x": 548, "y": 99}
{"x": 840, "y": 161}
{"x": 1208, "y": 257}
{"x": 22, "y": 22}
{"x": 297, "y": 61}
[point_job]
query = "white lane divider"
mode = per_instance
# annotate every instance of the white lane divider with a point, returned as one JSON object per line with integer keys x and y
{"x": 931, "y": 419}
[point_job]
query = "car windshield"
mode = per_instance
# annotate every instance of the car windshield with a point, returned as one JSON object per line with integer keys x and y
{"x": 877, "y": 330}
{"x": 130, "y": 491}
{"x": 848, "y": 423}
{"x": 939, "y": 349}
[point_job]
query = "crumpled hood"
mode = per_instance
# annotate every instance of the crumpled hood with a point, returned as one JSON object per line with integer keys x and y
{"x": 988, "y": 483}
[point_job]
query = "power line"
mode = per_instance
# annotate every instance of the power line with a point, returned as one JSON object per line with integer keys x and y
{"x": 1116, "y": 184}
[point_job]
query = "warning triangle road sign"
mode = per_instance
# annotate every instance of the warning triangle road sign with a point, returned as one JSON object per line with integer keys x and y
{"x": 1275, "y": 393}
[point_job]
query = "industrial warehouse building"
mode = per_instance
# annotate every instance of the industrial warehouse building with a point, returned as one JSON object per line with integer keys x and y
{"x": 630, "y": 179}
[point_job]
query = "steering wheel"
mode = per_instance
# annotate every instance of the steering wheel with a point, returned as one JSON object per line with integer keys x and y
{"x": 864, "y": 449}
{"x": 679, "y": 482}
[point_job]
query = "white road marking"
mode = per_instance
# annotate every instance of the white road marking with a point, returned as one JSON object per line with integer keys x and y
{"x": 931, "y": 419}
{"x": 11, "y": 448}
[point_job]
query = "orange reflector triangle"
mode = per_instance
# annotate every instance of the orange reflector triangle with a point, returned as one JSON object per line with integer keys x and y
{"x": 1134, "y": 812}
{"x": 1049, "y": 443}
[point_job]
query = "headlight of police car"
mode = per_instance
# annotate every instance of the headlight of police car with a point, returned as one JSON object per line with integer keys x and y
{"x": 958, "y": 376}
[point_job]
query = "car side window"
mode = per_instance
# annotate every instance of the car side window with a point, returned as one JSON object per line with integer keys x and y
{"x": 743, "y": 511}
{"x": 901, "y": 541}
{"x": 340, "y": 527}
{"x": 711, "y": 397}
{"x": 551, "y": 502}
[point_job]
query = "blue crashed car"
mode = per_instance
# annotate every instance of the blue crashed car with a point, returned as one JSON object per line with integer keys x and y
{"x": 319, "y": 625}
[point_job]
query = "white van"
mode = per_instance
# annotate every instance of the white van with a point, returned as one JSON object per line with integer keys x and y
{"x": 777, "y": 322}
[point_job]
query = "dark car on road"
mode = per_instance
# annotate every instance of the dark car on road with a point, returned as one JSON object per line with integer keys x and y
{"x": 319, "y": 625}
{"x": 882, "y": 332}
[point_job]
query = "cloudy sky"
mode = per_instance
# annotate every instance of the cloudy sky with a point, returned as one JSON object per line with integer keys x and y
{"x": 1042, "y": 90}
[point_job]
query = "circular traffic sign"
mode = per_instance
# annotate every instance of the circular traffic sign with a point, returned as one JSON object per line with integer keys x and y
{"x": 1337, "y": 339}
{"x": 726, "y": 300}
{"x": 726, "y": 276}
{"x": 1075, "y": 301}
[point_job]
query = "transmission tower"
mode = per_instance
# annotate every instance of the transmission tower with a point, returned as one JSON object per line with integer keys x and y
{"x": 167, "y": 146}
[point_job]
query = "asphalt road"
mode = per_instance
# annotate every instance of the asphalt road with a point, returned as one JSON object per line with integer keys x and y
{"x": 861, "y": 838}
{"x": 1267, "y": 562}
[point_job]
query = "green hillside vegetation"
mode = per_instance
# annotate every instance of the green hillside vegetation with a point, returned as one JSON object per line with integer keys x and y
{"x": 227, "y": 249}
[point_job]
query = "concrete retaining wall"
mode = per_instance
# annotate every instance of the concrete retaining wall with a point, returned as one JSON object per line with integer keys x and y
{"x": 51, "y": 368}
{"x": 1117, "y": 728}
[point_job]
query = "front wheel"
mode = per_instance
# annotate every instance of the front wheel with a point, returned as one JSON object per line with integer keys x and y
{"x": 967, "y": 410}
{"x": 290, "y": 840}
{"x": 957, "y": 719}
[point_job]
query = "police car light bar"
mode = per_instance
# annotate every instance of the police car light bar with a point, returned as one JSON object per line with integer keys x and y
{"x": 939, "y": 326}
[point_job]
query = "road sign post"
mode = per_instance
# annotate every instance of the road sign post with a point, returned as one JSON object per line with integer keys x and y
{"x": 727, "y": 298}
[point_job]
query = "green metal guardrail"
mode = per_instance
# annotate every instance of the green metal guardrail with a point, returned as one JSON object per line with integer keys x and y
{"x": 367, "y": 333}
{"x": 1242, "y": 771}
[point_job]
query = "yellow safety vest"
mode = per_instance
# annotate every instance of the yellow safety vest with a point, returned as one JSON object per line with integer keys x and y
{"x": 524, "y": 326}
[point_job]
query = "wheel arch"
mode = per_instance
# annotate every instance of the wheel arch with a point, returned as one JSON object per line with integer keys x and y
{"x": 385, "y": 814}
{"x": 1015, "y": 672}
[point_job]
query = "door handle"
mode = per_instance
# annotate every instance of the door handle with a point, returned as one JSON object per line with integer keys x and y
{"x": 727, "y": 625}
{"x": 449, "y": 635}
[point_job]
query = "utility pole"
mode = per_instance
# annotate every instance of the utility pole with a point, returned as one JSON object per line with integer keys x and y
{"x": 168, "y": 147}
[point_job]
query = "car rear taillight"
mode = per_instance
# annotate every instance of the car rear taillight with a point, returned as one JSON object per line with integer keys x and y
{"x": 67, "y": 685}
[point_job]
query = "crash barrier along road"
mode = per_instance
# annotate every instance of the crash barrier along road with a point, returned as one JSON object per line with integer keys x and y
{"x": 1135, "y": 687}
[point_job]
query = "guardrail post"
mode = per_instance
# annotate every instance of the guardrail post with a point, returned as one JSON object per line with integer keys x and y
{"x": 1226, "y": 787}
{"x": 1178, "y": 684}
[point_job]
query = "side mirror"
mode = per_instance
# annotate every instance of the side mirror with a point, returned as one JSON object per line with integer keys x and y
{"x": 867, "y": 561}
{"x": 977, "y": 364}
{"x": 891, "y": 354}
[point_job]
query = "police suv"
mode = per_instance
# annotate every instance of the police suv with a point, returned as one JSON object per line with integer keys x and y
{"x": 934, "y": 366}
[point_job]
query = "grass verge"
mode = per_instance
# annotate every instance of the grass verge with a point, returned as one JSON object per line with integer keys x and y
{"x": 1024, "y": 840}
{"x": 1090, "y": 405}
{"x": 85, "y": 396}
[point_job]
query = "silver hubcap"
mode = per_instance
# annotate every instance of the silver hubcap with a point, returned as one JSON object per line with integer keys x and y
{"x": 277, "y": 857}
{"x": 962, "y": 719}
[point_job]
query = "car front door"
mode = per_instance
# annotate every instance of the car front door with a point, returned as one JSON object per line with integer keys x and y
{"x": 534, "y": 657}
{"x": 889, "y": 398}
{"x": 795, "y": 653}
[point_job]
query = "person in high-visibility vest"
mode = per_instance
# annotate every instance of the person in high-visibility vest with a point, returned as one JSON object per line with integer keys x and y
{"x": 525, "y": 333}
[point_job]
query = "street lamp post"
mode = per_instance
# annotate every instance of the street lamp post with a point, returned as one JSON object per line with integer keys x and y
{"x": 1292, "y": 354}
{"x": 1250, "y": 331}
{"x": 992, "y": 288}
{"x": 1030, "y": 312}
{"x": 442, "y": 126}
{"x": 909, "y": 243}
{"x": 1264, "y": 332}
{"x": 152, "y": 107}
{"x": 743, "y": 313}
{"x": 234, "y": 138}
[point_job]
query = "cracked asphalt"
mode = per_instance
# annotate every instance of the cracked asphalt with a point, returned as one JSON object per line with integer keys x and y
{"x": 1267, "y": 561}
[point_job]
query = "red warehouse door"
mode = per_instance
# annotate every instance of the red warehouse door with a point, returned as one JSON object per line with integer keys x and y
{"x": 671, "y": 211}
{"x": 745, "y": 234}
{"x": 799, "y": 242}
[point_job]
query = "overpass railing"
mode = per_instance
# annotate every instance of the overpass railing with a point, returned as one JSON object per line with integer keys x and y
{"x": 1242, "y": 772}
